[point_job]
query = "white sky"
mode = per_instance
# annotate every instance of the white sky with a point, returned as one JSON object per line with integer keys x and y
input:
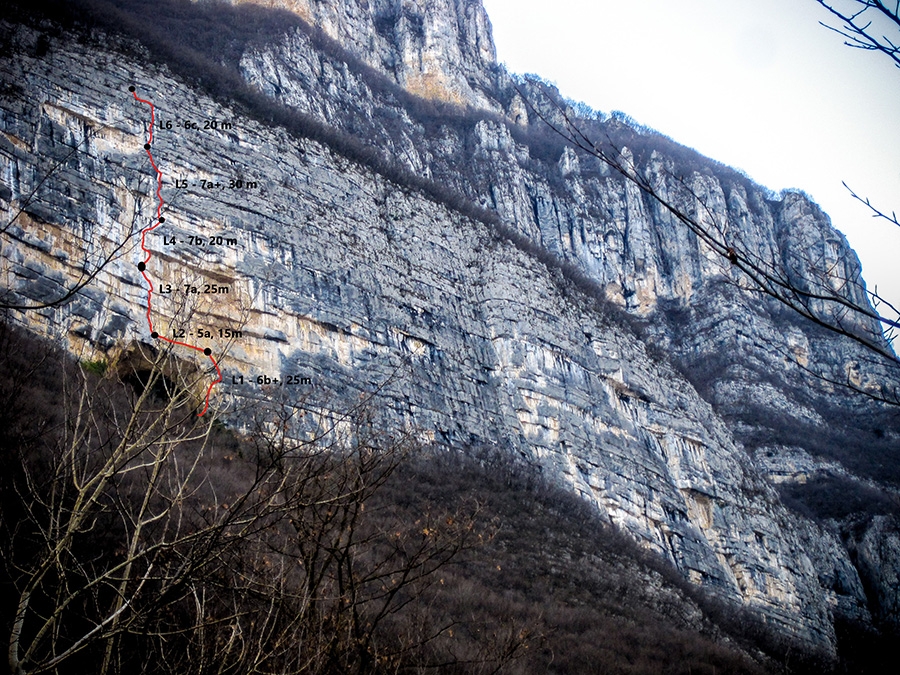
{"x": 756, "y": 84}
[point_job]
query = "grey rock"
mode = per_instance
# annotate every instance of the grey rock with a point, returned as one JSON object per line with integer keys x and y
{"x": 878, "y": 559}
{"x": 342, "y": 276}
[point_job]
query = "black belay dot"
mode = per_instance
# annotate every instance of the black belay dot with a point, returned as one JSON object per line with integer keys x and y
{"x": 141, "y": 267}
{"x": 207, "y": 351}
{"x": 162, "y": 219}
{"x": 131, "y": 88}
{"x": 154, "y": 335}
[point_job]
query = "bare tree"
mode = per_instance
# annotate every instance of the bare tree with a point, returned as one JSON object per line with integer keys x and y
{"x": 138, "y": 537}
{"x": 130, "y": 472}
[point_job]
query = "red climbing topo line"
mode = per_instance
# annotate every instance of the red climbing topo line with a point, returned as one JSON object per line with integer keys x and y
{"x": 142, "y": 267}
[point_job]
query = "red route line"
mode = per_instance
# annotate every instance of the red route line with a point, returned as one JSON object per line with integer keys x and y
{"x": 144, "y": 232}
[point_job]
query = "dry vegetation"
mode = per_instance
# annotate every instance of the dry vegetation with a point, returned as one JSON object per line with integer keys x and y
{"x": 138, "y": 538}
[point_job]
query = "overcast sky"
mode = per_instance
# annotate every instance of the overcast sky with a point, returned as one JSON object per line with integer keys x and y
{"x": 758, "y": 85}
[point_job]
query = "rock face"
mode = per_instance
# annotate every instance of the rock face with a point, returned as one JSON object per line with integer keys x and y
{"x": 439, "y": 49}
{"x": 344, "y": 281}
{"x": 877, "y": 555}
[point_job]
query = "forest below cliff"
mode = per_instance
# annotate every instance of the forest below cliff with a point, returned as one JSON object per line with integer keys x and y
{"x": 139, "y": 539}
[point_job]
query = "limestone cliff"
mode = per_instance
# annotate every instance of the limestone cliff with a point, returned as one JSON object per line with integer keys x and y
{"x": 439, "y": 49}
{"x": 349, "y": 280}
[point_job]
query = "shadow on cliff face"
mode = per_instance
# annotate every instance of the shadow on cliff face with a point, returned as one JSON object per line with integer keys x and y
{"x": 786, "y": 405}
{"x": 141, "y": 366}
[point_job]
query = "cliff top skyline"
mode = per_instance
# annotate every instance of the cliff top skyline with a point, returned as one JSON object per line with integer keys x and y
{"x": 776, "y": 94}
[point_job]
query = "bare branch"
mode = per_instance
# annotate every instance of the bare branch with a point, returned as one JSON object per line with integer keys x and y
{"x": 876, "y": 213}
{"x": 857, "y": 27}
{"x": 764, "y": 276}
